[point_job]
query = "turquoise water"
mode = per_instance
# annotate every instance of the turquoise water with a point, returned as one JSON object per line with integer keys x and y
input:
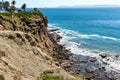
{"x": 96, "y": 29}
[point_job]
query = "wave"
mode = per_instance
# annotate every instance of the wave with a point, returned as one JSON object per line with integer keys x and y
{"x": 75, "y": 34}
{"x": 75, "y": 48}
{"x": 98, "y": 36}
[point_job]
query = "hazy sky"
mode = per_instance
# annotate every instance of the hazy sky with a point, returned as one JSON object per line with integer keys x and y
{"x": 55, "y": 3}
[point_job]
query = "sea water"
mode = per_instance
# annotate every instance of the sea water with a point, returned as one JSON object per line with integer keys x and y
{"x": 93, "y": 28}
{"x": 87, "y": 31}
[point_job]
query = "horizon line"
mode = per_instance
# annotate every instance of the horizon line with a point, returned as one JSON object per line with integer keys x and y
{"x": 79, "y": 6}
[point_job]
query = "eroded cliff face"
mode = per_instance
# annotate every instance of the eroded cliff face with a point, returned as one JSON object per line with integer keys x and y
{"x": 26, "y": 48}
{"x": 36, "y": 26}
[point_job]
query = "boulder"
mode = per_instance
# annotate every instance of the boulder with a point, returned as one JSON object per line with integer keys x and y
{"x": 103, "y": 55}
{"x": 93, "y": 59}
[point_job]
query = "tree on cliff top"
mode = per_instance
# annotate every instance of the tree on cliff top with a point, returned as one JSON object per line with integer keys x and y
{"x": 0, "y": 5}
{"x": 6, "y": 5}
{"x": 24, "y": 6}
{"x": 13, "y": 2}
{"x": 13, "y": 8}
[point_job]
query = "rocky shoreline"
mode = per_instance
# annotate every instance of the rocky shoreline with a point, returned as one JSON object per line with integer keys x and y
{"x": 90, "y": 68}
{"x": 28, "y": 49}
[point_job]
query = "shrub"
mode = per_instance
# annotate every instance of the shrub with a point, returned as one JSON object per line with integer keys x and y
{"x": 2, "y": 77}
{"x": 49, "y": 77}
{"x": 78, "y": 78}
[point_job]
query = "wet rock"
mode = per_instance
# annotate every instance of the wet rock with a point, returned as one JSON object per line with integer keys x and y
{"x": 103, "y": 55}
{"x": 93, "y": 59}
{"x": 53, "y": 30}
{"x": 103, "y": 68}
{"x": 89, "y": 70}
{"x": 55, "y": 36}
{"x": 117, "y": 56}
{"x": 83, "y": 61}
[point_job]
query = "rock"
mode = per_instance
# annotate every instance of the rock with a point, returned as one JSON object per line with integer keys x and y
{"x": 89, "y": 70}
{"x": 36, "y": 52}
{"x": 11, "y": 36}
{"x": 93, "y": 59}
{"x": 1, "y": 27}
{"x": 18, "y": 35}
{"x": 55, "y": 36}
{"x": 103, "y": 55}
{"x": 33, "y": 43}
{"x": 103, "y": 68}
{"x": 83, "y": 61}
{"x": 2, "y": 53}
{"x": 53, "y": 30}
{"x": 18, "y": 41}
{"x": 28, "y": 37}
{"x": 117, "y": 56}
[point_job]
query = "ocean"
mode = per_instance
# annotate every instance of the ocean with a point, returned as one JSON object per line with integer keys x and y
{"x": 96, "y": 29}
{"x": 87, "y": 31}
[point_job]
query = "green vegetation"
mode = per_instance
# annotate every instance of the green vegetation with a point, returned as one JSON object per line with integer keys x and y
{"x": 49, "y": 77}
{"x": 5, "y": 5}
{"x": 15, "y": 16}
{"x": 46, "y": 75}
{"x": 2, "y": 77}
{"x": 78, "y": 78}
{"x": 0, "y": 5}
{"x": 13, "y": 2}
{"x": 23, "y": 6}
{"x": 11, "y": 14}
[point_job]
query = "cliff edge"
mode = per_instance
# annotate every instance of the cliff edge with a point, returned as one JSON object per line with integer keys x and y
{"x": 26, "y": 47}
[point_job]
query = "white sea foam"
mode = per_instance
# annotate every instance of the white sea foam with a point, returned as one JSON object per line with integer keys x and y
{"x": 74, "y": 34}
{"x": 98, "y": 36}
{"x": 75, "y": 48}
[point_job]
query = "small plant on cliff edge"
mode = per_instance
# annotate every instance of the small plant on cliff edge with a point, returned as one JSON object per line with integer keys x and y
{"x": 49, "y": 77}
{"x": 77, "y": 78}
{"x": 2, "y": 77}
{"x": 35, "y": 10}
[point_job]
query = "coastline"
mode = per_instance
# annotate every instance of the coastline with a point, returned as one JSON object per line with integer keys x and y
{"x": 44, "y": 48}
{"x": 87, "y": 66}
{"x": 26, "y": 48}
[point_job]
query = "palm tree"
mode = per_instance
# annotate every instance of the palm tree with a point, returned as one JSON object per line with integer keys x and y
{"x": 24, "y": 6}
{"x": 13, "y": 8}
{"x": 13, "y": 2}
{"x": 2, "y": 1}
{"x": 0, "y": 5}
{"x": 6, "y": 5}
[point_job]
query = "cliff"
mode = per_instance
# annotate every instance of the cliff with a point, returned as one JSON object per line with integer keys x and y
{"x": 26, "y": 47}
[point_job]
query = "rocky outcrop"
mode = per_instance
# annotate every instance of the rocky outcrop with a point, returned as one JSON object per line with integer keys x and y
{"x": 26, "y": 48}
